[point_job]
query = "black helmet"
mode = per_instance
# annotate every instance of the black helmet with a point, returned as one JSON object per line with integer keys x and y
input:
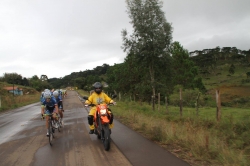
{"x": 98, "y": 87}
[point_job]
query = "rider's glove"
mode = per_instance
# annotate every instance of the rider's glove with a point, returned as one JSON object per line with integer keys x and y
{"x": 112, "y": 102}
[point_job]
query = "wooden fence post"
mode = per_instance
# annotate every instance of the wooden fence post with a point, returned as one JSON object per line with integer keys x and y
{"x": 153, "y": 102}
{"x": 207, "y": 142}
{"x": 166, "y": 101}
{"x": 159, "y": 101}
{"x": 120, "y": 97}
{"x": 197, "y": 104}
{"x": 181, "y": 102}
{"x": 218, "y": 103}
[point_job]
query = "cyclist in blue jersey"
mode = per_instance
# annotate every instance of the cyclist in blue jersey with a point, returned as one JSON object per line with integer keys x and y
{"x": 49, "y": 106}
{"x": 59, "y": 100}
{"x": 60, "y": 92}
{"x": 41, "y": 97}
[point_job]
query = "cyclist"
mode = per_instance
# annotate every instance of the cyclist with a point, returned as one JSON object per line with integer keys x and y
{"x": 49, "y": 106}
{"x": 97, "y": 97}
{"x": 60, "y": 92}
{"x": 65, "y": 93}
{"x": 42, "y": 99}
{"x": 59, "y": 101}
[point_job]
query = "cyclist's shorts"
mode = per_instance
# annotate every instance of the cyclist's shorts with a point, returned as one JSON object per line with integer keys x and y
{"x": 48, "y": 112}
{"x": 60, "y": 107}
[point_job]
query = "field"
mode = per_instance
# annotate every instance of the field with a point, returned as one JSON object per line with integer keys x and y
{"x": 200, "y": 140}
{"x": 8, "y": 101}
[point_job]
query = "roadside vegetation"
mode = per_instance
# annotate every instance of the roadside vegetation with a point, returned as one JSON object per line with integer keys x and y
{"x": 200, "y": 140}
{"x": 10, "y": 101}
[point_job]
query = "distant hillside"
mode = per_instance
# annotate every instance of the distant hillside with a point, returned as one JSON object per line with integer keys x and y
{"x": 228, "y": 71}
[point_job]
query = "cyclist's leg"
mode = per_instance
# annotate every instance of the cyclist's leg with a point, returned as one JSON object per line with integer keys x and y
{"x": 60, "y": 111}
{"x": 61, "y": 116}
{"x": 55, "y": 119}
{"x": 55, "y": 115}
{"x": 60, "y": 108}
{"x": 47, "y": 121}
{"x": 42, "y": 112}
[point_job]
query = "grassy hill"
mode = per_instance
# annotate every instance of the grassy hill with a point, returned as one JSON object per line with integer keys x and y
{"x": 234, "y": 88}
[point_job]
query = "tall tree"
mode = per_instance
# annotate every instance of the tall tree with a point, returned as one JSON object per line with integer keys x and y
{"x": 231, "y": 69}
{"x": 13, "y": 78}
{"x": 151, "y": 35}
{"x": 185, "y": 70}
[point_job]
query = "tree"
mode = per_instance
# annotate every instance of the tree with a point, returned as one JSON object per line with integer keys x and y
{"x": 13, "y": 78}
{"x": 151, "y": 36}
{"x": 231, "y": 69}
{"x": 185, "y": 70}
{"x": 44, "y": 78}
{"x": 38, "y": 84}
{"x": 25, "y": 81}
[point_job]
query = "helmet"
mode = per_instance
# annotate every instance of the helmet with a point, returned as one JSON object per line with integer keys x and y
{"x": 47, "y": 94}
{"x": 97, "y": 87}
{"x": 55, "y": 93}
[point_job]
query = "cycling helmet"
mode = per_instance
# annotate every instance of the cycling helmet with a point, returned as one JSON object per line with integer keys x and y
{"x": 47, "y": 95}
{"x": 55, "y": 93}
{"x": 97, "y": 87}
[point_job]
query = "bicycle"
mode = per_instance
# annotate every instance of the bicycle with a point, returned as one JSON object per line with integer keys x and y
{"x": 51, "y": 128}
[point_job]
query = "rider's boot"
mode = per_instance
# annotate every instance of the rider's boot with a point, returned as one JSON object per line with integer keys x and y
{"x": 91, "y": 131}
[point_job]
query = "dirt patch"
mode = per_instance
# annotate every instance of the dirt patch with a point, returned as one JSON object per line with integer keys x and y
{"x": 228, "y": 93}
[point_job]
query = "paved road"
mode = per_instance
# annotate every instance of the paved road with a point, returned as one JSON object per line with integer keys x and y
{"x": 23, "y": 141}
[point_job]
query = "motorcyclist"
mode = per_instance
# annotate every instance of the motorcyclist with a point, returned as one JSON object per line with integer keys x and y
{"x": 98, "y": 97}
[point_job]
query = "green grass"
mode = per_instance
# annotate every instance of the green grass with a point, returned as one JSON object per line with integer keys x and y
{"x": 8, "y": 101}
{"x": 200, "y": 140}
{"x": 82, "y": 92}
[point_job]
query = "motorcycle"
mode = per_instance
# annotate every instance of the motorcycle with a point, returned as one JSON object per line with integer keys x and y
{"x": 102, "y": 120}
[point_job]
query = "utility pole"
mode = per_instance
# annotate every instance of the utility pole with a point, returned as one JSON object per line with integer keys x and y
{"x": 13, "y": 84}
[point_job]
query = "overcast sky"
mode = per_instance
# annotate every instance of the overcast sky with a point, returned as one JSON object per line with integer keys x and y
{"x": 58, "y": 37}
